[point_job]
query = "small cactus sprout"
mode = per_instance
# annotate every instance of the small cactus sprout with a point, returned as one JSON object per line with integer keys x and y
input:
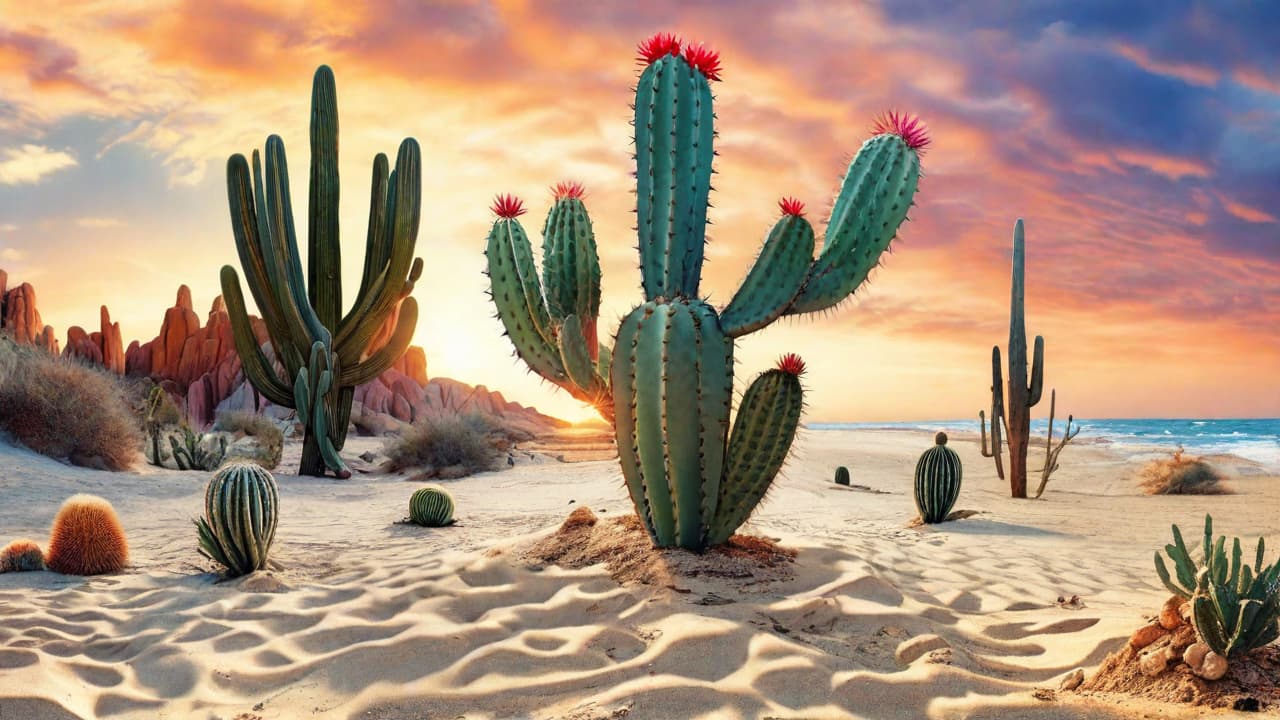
{"x": 842, "y": 476}
{"x": 86, "y": 538}
{"x": 21, "y": 556}
{"x": 937, "y": 481}
{"x": 241, "y": 509}
{"x": 431, "y": 506}
{"x": 694, "y": 472}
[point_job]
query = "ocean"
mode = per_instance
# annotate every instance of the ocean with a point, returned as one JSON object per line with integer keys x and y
{"x": 1255, "y": 438}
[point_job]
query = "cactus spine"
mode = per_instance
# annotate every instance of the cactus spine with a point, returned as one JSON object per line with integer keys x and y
{"x": 667, "y": 381}
{"x": 938, "y": 474}
{"x": 431, "y": 506}
{"x": 241, "y": 509}
{"x": 304, "y": 318}
{"x": 842, "y": 476}
{"x": 1012, "y": 409}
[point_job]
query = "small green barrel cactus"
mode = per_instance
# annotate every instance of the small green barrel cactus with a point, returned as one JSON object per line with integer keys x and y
{"x": 431, "y": 506}
{"x": 937, "y": 481}
{"x": 842, "y": 476}
{"x": 241, "y": 507}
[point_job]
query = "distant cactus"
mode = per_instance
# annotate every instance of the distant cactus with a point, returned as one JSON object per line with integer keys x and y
{"x": 195, "y": 452}
{"x": 431, "y": 506}
{"x": 667, "y": 382}
{"x": 842, "y": 476}
{"x": 310, "y": 332}
{"x": 241, "y": 509}
{"x": 937, "y": 481}
{"x": 160, "y": 412}
{"x": 21, "y": 556}
{"x": 1234, "y": 608}
{"x": 86, "y": 538}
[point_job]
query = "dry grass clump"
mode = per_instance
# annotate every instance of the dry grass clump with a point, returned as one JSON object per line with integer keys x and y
{"x": 66, "y": 410}
{"x": 449, "y": 441}
{"x": 1181, "y": 475}
{"x": 267, "y": 433}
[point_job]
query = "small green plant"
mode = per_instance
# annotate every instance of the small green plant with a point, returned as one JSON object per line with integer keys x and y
{"x": 194, "y": 454}
{"x": 937, "y": 481}
{"x": 1235, "y": 608}
{"x": 431, "y": 506}
{"x": 842, "y": 476}
{"x": 241, "y": 508}
{"x": 267, "y": 433}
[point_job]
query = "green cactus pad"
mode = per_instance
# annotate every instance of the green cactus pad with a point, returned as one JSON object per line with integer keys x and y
{"x": 774, "y": 280}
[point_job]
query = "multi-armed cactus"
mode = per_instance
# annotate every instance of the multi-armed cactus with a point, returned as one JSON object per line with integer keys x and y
{"x": 304, "y": 318}
{"x": 1013, "y": 409}
{"x": 667, "y": 381}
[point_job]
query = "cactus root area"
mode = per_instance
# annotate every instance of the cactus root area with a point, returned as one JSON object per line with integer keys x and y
{"x": 622, "y": 544}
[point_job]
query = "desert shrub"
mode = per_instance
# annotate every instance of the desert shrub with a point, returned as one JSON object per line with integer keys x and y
{"x": 266, "y": 432}
{"x": 1180, "y": 475}
{"x": 66, "y": 410}
{"x": 443, "y": 442}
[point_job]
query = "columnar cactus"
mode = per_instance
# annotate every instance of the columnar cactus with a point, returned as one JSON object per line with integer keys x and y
{"x": 241, "y": 509}
{"x": 667, "y": 381}
{"x": 938, "y": 475}
{"x": 431, "y": 506}
{"x": 1012, "y": 410}
{"x": 304, "y": 318}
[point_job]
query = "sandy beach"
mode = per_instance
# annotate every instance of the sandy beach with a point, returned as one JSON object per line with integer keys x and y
{"x": 367, "y": 618}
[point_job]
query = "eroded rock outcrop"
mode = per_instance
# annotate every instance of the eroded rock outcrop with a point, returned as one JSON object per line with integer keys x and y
{"x": 103, "y": 347}
{"x": 20, "y": 317}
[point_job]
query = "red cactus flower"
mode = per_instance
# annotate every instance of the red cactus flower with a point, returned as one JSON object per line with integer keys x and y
{"x": 791, "y": 206}
{"x": 657, "y": 47}
{"x": 704, "y": 60}
{"x": 908, "y": 127}
{"x": 791, "y": 364}
{"x": 569, "y": 189}
{"x": 507, "y": 206}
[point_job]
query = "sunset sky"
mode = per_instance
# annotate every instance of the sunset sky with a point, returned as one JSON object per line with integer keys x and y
{"x": 1139, "y": 140}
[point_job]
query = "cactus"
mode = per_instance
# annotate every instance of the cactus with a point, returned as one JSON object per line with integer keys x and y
{"x": 192, "y": 453}
{"x": 1012, "y": 410}
{"x": 241, "y": 508}
{"x": 937, "y": 481}
{"x": 666, "y": 383}
{"x": 21, "y": 556}
{"x": 431, "y": 506}
{"x": 86, "y": 538}
{"x": 842, "y": 476}
{"x": 1234, "y": 608}
{"x": 304, "y": 318}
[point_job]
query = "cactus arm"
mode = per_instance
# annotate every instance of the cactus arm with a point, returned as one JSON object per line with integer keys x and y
{"x": 1037, "y": 373}
{"x": 324, "y": 272}
{"x": 762, "y": 435}
{"x": 517, "y": 294}
{"x": 254, "y": 362}
{"x": 872, "y": 204}
{"x": 571, "y": 265}
{"x": 623, "y": 380}
{"x": 650, "y": 379}
{"x": 359, "y": 373}
{"x": 375, "y": 250}
{"x": 997, "y": 414}
{"x": 604, "y": 361}
{"x": 774, "y": 280}
{"x": 357, "y": 329}
{"x": 303, "y": 324}
{"x": 577, "y": 361}
{"x": 674, "y": 135}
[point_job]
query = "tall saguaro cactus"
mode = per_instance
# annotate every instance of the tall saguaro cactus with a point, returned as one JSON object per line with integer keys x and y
{"x": 1012, "y": 409}
{"x": 324, "y": 353}
{"x": 667, "y": 381}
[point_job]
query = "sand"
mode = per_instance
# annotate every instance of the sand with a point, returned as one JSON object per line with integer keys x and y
{"x": 370, "y": 619}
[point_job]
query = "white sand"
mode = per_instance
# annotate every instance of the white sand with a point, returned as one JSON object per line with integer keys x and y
{"x": 378, "y": 620}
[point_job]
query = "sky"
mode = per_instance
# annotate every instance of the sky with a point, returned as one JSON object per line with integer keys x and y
{"x": 1139, "y": 141}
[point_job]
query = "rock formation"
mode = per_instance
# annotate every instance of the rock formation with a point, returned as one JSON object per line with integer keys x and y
{"x": 103, "y": 347}
{"x": 20, "y": 318}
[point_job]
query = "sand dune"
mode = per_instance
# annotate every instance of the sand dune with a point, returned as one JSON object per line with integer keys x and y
{"x": 367, "y": 618}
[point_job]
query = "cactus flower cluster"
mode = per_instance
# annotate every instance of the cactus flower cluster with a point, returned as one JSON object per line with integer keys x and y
{"x": 666, "y": 381}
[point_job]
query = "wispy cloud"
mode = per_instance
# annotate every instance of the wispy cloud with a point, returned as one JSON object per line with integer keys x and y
{"x": 10, "y": 254}
{"x": 32, "y": 163}
{"x": 99, "y": 222}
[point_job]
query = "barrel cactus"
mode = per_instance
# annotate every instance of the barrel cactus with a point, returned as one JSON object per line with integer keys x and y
{"x": 666, "y": 383}
{"x": 325, "y": 352}
{"x": 431, "y": 506}
{"x": 86, "y": 538}
{"x": 241, "y": 508}
{"x": 21, "y": 555}
{"x": 937, "y": 481}
{"x": 842, "y": 476}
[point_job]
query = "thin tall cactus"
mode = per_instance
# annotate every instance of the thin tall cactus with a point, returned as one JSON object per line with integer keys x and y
{"x": 325, "y": 354}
